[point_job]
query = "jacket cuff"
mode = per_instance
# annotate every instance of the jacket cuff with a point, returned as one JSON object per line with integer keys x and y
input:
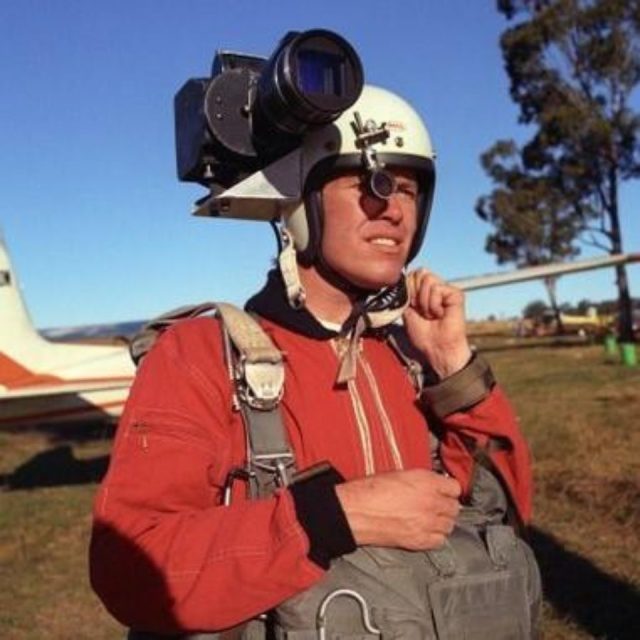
{"x": 320, "y": 514}
{"x": 462, "y": 390}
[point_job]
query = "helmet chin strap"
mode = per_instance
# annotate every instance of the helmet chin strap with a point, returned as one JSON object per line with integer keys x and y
{"x": 288, "y": 264}
{"x": 287, "y": 261}
{"x": 340, "y": 282}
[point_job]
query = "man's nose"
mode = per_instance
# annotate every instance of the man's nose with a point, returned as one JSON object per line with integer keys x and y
{"x": 391, "y": 208}
{"x": 385, "y": 208}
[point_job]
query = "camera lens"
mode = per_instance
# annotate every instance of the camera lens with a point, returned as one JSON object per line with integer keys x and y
{"x": 320, "y": 73}
{"x": 311, "y": 78}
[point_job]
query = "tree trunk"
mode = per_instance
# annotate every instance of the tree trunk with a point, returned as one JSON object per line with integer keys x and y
{"x": 625, "y": 307}
{"x": 550, "y": 284}
{"x": 625, "y": 304}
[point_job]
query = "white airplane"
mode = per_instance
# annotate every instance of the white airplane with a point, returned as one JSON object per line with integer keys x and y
{"x": 52, "y": 382}
{"x": 43, "y": 381}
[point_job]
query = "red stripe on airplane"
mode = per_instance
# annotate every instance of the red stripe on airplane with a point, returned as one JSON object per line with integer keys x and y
{"x": 14, "y": 376}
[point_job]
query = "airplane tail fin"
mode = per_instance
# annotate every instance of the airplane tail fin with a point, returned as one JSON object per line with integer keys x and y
{"x": 16, "y": 327}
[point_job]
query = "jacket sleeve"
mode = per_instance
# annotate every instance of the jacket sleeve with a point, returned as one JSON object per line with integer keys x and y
{"x": 475, "y": 414}
{"x": 165, "y": 556}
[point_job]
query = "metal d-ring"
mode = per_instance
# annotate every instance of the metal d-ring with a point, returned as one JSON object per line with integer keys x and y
{"x": 321, "y": 620}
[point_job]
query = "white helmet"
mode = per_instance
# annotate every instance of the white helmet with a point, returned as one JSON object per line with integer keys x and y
{"x": 381, "y": 130}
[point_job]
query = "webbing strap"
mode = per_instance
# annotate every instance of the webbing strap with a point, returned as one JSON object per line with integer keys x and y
{"x": 270, "y": 457}
{"x": 142, "y": 342}
{"x": 247, "y": 335}
{"x": 415, "y": 370}
{"x": 258, "y": 367}
{"x": 259, "y": 378}
{"x": 267, "y": 435}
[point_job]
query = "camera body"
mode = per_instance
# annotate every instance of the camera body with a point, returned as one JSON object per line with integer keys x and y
{"x": 253, "y": 110}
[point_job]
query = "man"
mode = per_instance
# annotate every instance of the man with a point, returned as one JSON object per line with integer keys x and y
{"x": 167, "y": 556}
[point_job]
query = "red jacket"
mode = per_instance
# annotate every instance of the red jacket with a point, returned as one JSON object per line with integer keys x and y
{"x": 166, "y": 556}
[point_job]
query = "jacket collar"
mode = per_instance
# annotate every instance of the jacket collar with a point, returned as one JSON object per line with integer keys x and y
{"x": 271, "y": 303}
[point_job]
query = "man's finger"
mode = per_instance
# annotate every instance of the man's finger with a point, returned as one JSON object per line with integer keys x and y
{"x": 449, "y": 487}
{"x": 450, "y": 508}
{"x": 425, "y": 283}
{"x": 435, "y": 303}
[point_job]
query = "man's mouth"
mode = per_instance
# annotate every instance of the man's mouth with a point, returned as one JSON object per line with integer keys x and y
{"x": 385, "y": 241}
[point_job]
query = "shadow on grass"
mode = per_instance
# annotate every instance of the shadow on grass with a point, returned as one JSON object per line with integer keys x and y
{"x": 603, "y": 605}
{"x": 55, "y": 467}
{"x": 76, "y": 432}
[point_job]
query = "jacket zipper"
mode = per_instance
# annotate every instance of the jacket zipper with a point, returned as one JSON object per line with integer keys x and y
{"x": 384, "y": 416}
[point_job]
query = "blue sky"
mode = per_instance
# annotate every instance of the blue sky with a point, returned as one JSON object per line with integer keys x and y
{"x": 97, "y": 222}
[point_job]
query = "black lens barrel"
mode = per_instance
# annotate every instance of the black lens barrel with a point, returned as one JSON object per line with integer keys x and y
{"x": 310, "y": 79}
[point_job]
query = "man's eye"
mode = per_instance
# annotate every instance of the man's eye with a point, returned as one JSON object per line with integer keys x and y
{"x": 407, "y": 190}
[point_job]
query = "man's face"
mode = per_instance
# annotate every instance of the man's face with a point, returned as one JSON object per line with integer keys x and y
{"x": 364, "y": 239}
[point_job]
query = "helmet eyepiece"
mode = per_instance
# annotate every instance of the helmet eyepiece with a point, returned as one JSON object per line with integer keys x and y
{"x": 381, "y": 184}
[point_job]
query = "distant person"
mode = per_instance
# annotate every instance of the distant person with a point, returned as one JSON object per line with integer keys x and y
{"x": 399, "y": 514}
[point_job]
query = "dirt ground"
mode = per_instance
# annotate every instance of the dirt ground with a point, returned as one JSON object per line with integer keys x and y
{"x": 579, "y": 412}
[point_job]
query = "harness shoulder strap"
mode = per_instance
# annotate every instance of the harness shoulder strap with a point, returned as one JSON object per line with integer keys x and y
{"x": 142, "y": 342}
{"x": 256, "y": 369}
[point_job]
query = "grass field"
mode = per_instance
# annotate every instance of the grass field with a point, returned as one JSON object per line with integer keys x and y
{"x": 580, "y": 413}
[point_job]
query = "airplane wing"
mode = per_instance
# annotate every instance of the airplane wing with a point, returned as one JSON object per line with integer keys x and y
{"x": 543, "y": 271}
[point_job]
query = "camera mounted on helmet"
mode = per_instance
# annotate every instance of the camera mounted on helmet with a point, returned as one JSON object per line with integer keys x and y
{"x": 263, "y": 136}
{"x": 253, "y": 110}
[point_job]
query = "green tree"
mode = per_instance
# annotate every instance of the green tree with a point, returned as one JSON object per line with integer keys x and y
{"x": 573, "y": 66}
{"x": 535, "y": 309}
{"x": 533, "y": 220}
{"x": 582, "y": 308}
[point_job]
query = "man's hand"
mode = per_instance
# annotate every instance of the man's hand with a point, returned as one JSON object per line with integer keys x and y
{"x": 412, "y": 510}
{"x": 435, "y": 322}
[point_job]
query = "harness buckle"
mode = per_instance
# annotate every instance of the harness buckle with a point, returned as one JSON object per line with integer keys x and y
{"x": 262, "y": 384}
{"x": 276, "y": 464}
{"x": 237, "y": 473}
